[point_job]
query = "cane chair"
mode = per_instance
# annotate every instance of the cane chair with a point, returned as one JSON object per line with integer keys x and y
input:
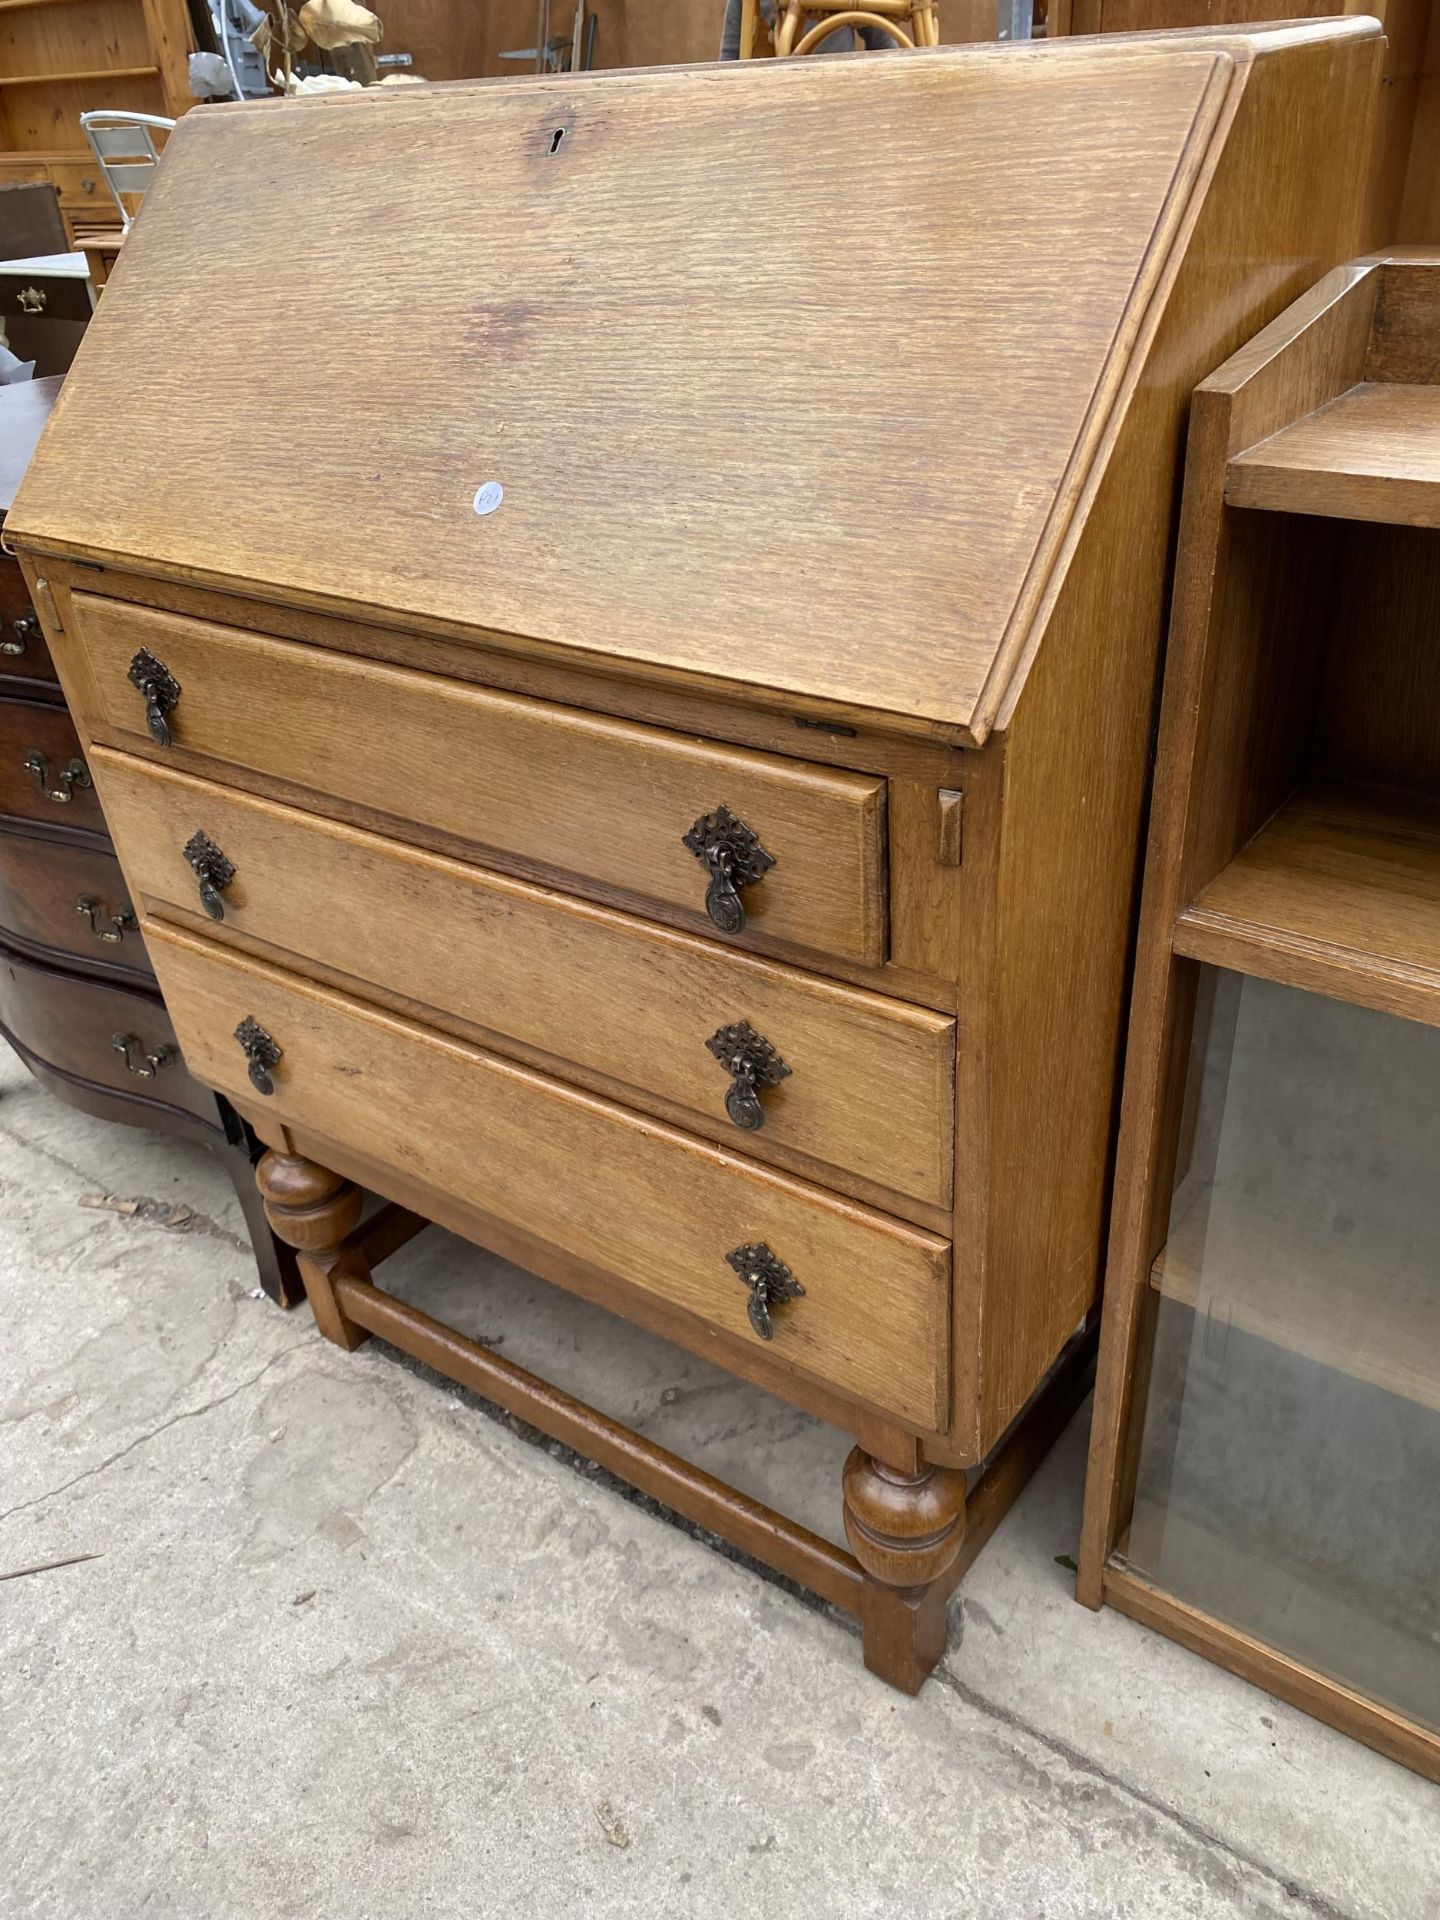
{"x": 806, "y": 25}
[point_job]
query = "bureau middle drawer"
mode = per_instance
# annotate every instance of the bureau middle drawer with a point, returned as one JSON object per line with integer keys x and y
{"x": 642, "y": 1008}
{"x": 779, "y": 850}
{"x": 691, "y": 1225}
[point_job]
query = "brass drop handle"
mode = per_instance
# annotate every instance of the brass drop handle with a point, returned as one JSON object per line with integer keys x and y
{"x": 261, "y": 1053}
{"x": 148, "y": 1064}
{"x": 25, "y": 629}
{"x": 33, "y": 299}
{"x": 770, "y": 1281}
{"x": 159, "y": 689}
{"x": 751, "y": 1063}
{"x": 213, "y": 871}
{"x": 77, "y": 774}
{"x": 733, "y": 857}
{"x": 122, "y": 921}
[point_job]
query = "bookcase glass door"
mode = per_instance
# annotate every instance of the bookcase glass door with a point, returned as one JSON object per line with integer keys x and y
{"x": 1289, "y": 1471}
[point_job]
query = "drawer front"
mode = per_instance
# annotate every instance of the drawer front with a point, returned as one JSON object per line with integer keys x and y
{"x": 630, "y": 1002}
{"x": 43, "y": 774}
{"x": 601, "y": 804}
{"x": 81, "y": 185}
{"x": 69, "y": 899}
{"x": 23, "y": 652}
{"x": 625, "y": 1195}
{"x": 74, "y": 1024}
{"x": 44, "y": 296}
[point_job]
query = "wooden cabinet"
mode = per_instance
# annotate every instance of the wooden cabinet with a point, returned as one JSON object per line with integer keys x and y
{"x": 62, "y": 58}
{"x": 670, "y": 816}
{"x": 1267, "y": 1431}
{"x": 78, "y": 1000}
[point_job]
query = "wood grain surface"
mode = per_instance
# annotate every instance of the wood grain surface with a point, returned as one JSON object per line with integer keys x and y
{"x": 41, "y": 882}
{"x": 1338, "y": 894}
{"x": 585, "y": 987}
{"x": 24, "y": 409}
{"x": 588, "y": 798}
{"x": 1371, "y": 454}
{"x": 860, "y": 524}
{"x": 70, "y": 1023}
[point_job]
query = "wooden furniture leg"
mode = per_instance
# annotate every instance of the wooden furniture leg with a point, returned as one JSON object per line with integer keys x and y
{"x": 906, "y": 1526}
{"x": 912, "y": 1531}
{"x": 315, "y": 1211}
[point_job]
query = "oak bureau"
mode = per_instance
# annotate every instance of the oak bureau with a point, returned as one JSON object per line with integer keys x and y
{"x": 624, "y": 697}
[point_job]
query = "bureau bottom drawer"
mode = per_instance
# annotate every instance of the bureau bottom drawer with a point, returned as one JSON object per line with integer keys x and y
{"x": 73, "y": 1025}
{"x": 625, "y": 1195}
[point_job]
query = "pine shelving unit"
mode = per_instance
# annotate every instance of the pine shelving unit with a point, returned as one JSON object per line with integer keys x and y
{"x": 62, "y": 58}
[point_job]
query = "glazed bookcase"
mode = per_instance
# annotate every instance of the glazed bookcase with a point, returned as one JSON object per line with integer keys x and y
{"x": 1266, "y": 1448}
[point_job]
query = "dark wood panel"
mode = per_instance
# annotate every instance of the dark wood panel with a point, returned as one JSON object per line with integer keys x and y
{"x": 26, "y": 728}
{"x": 20, "y": 629}
{"x": 70, "y": 1024}
{"x": 451, "y": 40}
{"x": 41, "y": 886}
{"x": 219, "y": 1128}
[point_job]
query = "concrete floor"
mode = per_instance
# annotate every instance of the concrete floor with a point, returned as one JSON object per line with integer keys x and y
{"x": 351, "y": 1648}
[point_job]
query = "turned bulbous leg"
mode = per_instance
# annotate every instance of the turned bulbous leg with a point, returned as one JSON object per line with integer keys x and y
{"x": 906, "y": 1530}
{"x": 314, "y": 1211}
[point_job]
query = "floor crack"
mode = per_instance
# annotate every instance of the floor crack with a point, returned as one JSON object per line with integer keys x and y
{"x": 1304, "y": 1897}
{"x": 143, "y": 1439}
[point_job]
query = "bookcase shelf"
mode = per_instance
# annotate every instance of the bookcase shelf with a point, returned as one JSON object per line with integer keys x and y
{"x": 1339, "y": 893}
{"x": 67, "y": 79}
{"x": 1335, "y": 1301}
{"x": 1372, "y": 453}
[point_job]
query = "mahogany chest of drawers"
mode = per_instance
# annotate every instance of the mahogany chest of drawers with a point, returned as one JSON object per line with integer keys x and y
{"x": 645, "y": 765}
{"x": 78, "y": 1000}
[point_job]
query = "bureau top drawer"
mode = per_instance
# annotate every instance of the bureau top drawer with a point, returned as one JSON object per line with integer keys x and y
{"x": 626, "y": 1196}
{"x": 778, "y": 851}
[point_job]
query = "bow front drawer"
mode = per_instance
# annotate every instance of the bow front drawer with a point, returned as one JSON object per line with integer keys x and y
{"x": 71, "y": 900}
{"x": 746, "y": 844}
{"x": 105, "y": 1036}
{"x": 43, "y": 774}
{"x": 748, "y": 1051}
{"x": 841, "y": 1293}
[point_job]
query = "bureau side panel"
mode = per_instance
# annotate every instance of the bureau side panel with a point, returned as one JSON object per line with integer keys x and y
{"x": 1281, "y": 208}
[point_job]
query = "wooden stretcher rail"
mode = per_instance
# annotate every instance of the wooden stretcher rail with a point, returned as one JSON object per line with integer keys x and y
{"x": 749, "y": 1525}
